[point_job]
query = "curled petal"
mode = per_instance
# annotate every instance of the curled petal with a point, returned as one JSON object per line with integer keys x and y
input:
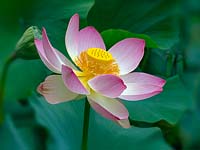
{"x": 54, "y": 90}
{"x": 108, "y": 107}
{"x": 71, "y": 36}
{"x": 89, "y": 38}
{"x": 128, "y": 54}
{"x": 108, "y": 85}
{"x": 43, "y": 57}
{"x": 72, "y": 82}
{"x": 52, "y": 56}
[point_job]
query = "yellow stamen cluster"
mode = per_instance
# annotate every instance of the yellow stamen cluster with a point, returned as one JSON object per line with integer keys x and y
{"x": 96, "y": 61}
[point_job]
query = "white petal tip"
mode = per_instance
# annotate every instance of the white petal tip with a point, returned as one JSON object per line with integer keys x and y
{"x": 124, "y": 123}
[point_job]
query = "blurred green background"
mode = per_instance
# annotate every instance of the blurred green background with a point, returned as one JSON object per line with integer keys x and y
{"x": 171, "y": 120}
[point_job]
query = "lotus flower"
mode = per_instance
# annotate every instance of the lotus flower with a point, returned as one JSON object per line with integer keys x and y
{"x": 103, "y": 76}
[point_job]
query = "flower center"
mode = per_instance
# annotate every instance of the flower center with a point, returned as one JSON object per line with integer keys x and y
{"x": 96, "y": 61}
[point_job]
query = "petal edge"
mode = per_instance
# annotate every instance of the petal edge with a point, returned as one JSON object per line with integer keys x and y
{"x": 72, "y": 82}
{"x": 108, "y": 107}
{"x": 71, "y": 42}
{"x": 54, "y": 90}
{"x": 108, "y": 85}
{"x": 128, "y": 54}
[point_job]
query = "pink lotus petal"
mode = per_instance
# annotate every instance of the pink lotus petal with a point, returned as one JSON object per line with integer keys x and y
{"x": 42, "y": 55}
{"x": 138, "y": 89}
{"x": 72, "y": 82}
{"x": 107, "y": 85}
{"x": 139, "y": 77}
{"x": 41, "y": 52}
{"x": 52, "y": 56}
{"x": 108, "y": 107}
{"x": 141, "y": 86}
{"x": 139, "y": 97}
{"x": 71, "y": 36}
{"x": 54, "y": 90}
{"x": 89, "y": 38}
{"x": 102, "y": 111}
{"x": 128, "y": 54}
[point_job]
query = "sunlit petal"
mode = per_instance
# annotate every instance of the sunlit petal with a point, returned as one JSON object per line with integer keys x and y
{"x": 108, "y": 107}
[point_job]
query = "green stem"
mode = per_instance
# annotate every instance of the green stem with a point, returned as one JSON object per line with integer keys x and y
{"x": 85, "y": 125}
{"x": 3, "y": 82}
